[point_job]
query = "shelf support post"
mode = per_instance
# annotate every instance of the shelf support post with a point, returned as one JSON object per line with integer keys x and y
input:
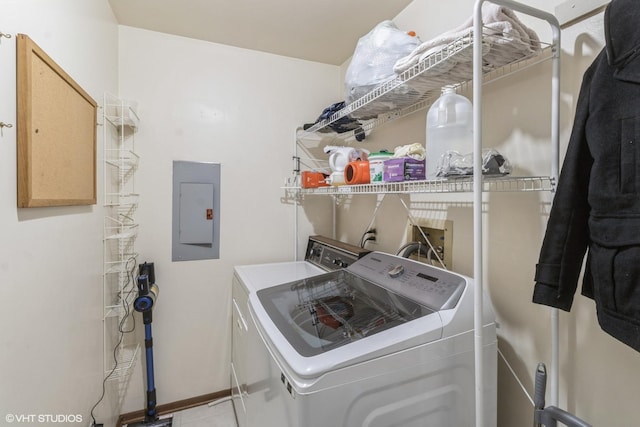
{"x": 477, "y": 215}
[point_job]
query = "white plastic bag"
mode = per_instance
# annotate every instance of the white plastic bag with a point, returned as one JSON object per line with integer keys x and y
{"x": 452, "y": 163}
{"x": 374, "y": 58}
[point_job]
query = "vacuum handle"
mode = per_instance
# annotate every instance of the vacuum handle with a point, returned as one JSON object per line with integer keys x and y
{"x": 541, "y": 386}
{"x": 538, "y": 394}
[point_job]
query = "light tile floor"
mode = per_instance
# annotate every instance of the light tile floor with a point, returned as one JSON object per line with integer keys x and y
{"x": 220, "y": 415}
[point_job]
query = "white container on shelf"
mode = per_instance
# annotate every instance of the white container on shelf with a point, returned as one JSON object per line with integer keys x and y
{"x": 376, "y": 165}
{"x": 449, "y": 128}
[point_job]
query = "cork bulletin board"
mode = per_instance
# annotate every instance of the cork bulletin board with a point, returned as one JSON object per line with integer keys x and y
{"x": 56, "y": 133}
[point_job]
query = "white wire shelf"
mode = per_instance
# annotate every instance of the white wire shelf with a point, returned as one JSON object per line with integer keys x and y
{"x": 444, "y": 185}
{"x": 121, "y": 222}
{"x": 123, "y": 159}
{"x": 126, "y": 357}
{"x": 419, "y": 86}
{"x": 120, "y": 266}
{"x": 124, "y": 200}
{"x": 125, "y": 234}
{"x": 117, "y": 308}
{"x": 119, "y": 122}
{"x": 120, "y": 113}
{"x": 119, "y": 229}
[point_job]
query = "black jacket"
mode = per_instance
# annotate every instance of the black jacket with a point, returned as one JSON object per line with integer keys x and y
{"x": 597, "y": 203}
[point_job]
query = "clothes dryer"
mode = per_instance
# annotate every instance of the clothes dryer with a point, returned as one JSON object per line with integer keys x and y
{"x": 323, "y": 254}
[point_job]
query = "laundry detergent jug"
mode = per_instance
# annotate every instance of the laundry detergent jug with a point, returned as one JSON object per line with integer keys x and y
{"x": 449, "y": 129}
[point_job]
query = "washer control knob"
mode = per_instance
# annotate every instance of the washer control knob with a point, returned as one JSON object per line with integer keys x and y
{"x": 340, "y": 263}
{"x": 396, "y": 270}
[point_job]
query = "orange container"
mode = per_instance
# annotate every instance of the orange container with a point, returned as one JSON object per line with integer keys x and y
{"x": 357, "y": 172}
{"x": 313, "y": 179}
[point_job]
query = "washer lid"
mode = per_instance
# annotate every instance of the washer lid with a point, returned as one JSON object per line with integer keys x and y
{"x": 259, "y": 276}
{"x": 325, "y": 312}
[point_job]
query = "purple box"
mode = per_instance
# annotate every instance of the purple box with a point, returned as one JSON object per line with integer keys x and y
{"x": 403, "y": 169}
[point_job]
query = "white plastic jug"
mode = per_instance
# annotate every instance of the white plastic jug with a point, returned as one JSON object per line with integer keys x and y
{"x": 449, "y": 128}
{"x": 340, "y": 156}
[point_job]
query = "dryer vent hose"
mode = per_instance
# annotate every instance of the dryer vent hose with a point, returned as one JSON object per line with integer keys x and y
{"x": 415, "y": 247}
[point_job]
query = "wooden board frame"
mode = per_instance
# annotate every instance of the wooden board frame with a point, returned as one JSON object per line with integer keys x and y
{"x": 56, "y": 133}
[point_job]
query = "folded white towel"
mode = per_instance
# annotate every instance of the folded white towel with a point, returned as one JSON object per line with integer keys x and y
{"x": 455, "y": 47}
{"x": 415, "y": 151}
{"x": 503, "y": 27}
{"x": 494, "y": 13}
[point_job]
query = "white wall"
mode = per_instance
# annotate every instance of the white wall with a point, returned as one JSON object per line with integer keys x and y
{"x": 206, "y": 102}
{"x": 51, "y": 258}
{"x": 598, "y": 375}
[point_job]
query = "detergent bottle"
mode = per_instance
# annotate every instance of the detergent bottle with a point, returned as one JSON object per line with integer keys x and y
{"x": 449, "y": 128}
{"x": 339, "y": 157}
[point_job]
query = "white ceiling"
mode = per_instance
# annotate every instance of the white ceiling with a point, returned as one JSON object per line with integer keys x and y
{"x": 323, "y": 31}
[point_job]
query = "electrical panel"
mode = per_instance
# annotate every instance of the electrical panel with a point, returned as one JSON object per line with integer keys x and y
{"x": 196, "y": 211}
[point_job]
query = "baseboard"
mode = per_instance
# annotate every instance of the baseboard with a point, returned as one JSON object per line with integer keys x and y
{"x": 169, "y": 408}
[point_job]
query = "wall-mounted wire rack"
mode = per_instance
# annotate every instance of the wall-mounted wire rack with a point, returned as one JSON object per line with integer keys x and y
{"x": 120, "y": 123}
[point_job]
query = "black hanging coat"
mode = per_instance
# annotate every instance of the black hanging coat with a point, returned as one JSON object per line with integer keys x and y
{"x": 597, "y": 203}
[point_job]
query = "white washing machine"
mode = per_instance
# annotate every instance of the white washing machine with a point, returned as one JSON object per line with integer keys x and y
{"x": 386, "y": 341}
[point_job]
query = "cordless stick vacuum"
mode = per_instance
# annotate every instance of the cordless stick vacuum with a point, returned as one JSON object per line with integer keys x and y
{"x": 147, "y": 295}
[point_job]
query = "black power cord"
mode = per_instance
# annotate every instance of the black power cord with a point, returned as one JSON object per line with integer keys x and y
{"x": 368, "y": 239}
{"x": 127, "y": 313}
{"x": 364, "y": 239}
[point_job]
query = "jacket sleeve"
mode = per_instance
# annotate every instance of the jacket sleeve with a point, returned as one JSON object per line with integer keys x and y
{"x": 567, "y": 234}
